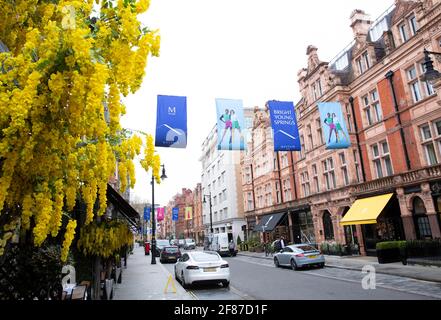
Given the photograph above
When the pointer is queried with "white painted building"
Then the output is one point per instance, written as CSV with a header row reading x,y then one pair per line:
x,y
221,178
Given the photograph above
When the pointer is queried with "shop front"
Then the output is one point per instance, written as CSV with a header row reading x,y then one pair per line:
x,y
303,227
379,218
274,226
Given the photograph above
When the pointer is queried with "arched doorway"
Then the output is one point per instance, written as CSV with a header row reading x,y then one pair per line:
x,y
421,220
328,228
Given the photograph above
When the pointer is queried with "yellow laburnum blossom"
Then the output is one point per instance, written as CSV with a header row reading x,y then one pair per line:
x,y
104,239
68,238
60,107
142,6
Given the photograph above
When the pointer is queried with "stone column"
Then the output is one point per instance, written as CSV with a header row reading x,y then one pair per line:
x,y
318,224
290,227
431,210
338,229
360,240
406,216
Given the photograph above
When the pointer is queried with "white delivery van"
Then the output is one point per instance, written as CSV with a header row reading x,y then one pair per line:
x,y
219,243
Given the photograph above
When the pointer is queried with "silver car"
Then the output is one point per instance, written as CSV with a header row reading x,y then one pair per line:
x,y
202,267
298,256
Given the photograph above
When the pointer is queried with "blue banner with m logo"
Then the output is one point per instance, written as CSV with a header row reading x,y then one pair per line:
x,y
171,123
284,124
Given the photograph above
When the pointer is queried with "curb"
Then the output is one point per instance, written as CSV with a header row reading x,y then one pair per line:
x,y
359,269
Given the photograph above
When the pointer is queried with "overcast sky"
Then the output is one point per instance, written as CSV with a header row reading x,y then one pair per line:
x,y
238,49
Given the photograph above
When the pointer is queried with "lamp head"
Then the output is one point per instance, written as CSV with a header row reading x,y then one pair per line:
x,y
163,176
430,73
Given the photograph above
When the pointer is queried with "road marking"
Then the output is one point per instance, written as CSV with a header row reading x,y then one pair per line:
x,y
241,294
353,281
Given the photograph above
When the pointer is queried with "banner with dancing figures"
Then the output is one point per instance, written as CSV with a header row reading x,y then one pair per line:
x,y
284,125
230,124
334,126
171,123
160,214
188,213
175,214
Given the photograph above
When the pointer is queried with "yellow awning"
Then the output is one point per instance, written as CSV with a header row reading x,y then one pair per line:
x,y
366,211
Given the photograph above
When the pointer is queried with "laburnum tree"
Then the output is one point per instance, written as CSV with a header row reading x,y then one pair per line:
x,y
66,66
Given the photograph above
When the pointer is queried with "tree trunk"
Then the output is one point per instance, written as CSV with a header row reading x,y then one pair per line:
x,y
96,287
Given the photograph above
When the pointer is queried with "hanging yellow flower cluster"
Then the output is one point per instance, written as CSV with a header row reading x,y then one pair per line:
x,y
68,238
104,239
60,108
151,161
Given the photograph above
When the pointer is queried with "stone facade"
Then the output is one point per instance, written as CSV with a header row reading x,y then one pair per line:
x,y
222,187
394,122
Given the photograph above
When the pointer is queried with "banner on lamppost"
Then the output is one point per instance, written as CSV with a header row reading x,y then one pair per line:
x,y
188,213
230,125
334,126
171,123
284,125
147,211
160,214
175,213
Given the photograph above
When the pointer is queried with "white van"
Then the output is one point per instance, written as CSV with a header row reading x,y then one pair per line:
x,y
219,243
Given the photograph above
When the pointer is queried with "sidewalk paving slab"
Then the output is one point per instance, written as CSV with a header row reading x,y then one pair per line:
x,y
426,273
144,281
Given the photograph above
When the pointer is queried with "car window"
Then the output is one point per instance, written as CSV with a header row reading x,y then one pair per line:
x,y
185,257
307,248
171,250
287,249
205,257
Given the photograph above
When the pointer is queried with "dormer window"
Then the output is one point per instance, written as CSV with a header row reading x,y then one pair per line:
x,y
317,89
413,25
363,63
403,33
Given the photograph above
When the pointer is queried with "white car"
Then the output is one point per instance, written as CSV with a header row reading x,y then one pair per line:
x,y
190,244
202,267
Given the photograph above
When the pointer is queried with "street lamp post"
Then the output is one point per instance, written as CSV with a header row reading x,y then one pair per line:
x,y
163,177
211,212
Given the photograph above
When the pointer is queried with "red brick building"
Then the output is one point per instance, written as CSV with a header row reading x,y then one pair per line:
x,y
394,121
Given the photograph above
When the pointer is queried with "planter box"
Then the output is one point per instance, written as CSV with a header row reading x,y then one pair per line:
x,y
389,255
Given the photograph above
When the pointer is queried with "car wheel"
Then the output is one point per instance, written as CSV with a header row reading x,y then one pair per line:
x,y
226,284
276,262
321,265
183,283
294,265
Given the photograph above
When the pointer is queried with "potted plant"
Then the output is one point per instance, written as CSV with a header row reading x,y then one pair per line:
x,y
391,251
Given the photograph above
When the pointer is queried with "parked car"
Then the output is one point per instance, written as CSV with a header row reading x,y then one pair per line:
x,y
190,244
298,256
161,244
170,254
202,267
219,243
181,243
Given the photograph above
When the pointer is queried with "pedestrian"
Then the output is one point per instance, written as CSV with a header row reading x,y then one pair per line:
x,y
232,248
282,242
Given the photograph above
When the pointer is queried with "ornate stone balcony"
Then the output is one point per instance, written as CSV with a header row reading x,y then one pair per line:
x,y
426,174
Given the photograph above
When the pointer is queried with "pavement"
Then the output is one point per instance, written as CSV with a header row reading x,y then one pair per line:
x,y
143,281
426,273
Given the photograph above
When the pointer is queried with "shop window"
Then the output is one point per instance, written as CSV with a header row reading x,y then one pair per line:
x,y
422,224
327,226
